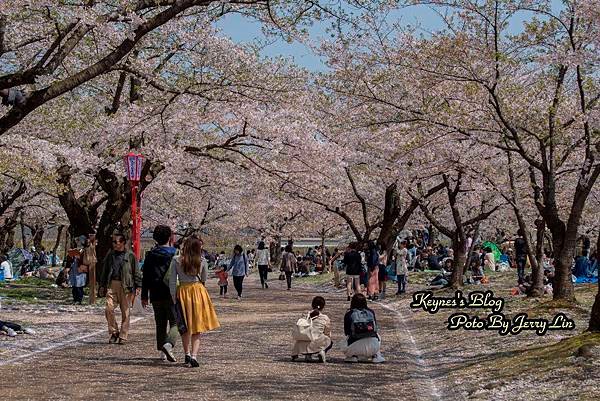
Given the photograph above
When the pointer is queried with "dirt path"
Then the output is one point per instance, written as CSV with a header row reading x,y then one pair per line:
x,y
247,359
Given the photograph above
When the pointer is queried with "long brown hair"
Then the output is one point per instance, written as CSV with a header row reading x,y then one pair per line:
x,y
191,259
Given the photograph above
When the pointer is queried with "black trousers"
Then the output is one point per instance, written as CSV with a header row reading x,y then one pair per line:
x,y
288,279
77,294
521,262
166,325
263,272
223,290
238,282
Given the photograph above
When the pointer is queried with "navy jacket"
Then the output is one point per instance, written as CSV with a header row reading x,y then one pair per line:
x,y
156,265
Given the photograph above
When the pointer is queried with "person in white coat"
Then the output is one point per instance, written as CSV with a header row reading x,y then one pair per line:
x,y
263,261
322,343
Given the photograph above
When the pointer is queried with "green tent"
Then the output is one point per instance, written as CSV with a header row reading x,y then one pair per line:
x,y
495,250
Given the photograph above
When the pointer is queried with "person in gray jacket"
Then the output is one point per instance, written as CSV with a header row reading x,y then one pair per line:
x,y
238,268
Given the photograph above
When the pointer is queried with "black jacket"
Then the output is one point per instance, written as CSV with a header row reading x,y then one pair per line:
x,y
353,263
156,264
348,325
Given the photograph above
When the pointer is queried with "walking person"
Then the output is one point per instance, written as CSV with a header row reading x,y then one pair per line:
x,y
222,277
77,276
372,257
520,256
288,265
191,269
239,268
88,259
263,260
382,263
121,280
154,289
353,263
401,267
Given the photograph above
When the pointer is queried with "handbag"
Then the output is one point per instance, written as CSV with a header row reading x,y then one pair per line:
x,y
282,276
177,311
304,330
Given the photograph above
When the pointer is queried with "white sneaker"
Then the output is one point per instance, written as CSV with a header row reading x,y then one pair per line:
x,y
29,331
351,359
10,332
378,358
162,356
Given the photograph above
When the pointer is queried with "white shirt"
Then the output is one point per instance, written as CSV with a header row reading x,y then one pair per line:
x,y
262,257
7,269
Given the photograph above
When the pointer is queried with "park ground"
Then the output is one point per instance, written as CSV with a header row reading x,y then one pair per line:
x,y
248,357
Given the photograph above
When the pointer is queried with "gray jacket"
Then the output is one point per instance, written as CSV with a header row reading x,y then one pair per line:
x,y
239,265
176,272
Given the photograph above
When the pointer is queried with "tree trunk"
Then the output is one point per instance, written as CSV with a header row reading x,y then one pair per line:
x,y
7,232
564,249
472,247
38,236
336,278
432,235
537,266
277,253
61,228
458,264
24,242
595,315
67,241
10,238
323,253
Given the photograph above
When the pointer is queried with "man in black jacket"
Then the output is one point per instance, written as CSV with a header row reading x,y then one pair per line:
x,y
156,265
353,263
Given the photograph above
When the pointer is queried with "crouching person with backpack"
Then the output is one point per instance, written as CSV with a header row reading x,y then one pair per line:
x,y
360,325
312,334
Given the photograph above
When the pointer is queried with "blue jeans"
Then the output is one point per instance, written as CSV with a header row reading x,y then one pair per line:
x,y
401,284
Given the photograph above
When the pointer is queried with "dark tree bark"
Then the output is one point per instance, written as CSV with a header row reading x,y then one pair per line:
x,y
7,231
457,234
82,211
537,267
117,212
394,220
24,241
38,236
59,233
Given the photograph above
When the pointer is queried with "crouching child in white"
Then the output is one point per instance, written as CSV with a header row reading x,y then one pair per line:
x,y
360,327
312,334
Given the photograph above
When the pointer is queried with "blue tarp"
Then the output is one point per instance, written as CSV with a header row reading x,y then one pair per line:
x,y
586,280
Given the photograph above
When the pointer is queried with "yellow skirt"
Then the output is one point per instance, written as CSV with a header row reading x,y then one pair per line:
x,y
198,310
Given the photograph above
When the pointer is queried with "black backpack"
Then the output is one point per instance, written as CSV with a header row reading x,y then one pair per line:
x,y
363,324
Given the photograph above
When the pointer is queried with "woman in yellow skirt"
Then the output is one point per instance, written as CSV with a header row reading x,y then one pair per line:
x,y
192,271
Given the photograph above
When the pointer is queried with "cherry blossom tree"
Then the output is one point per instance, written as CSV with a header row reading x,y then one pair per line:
x,y
533,94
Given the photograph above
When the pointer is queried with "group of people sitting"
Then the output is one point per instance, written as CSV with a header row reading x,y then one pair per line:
x,y
312,334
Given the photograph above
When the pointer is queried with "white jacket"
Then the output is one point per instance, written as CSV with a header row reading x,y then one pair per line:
x,y
263,257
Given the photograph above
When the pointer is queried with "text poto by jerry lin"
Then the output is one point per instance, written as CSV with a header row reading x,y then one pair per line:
x,y
494,321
